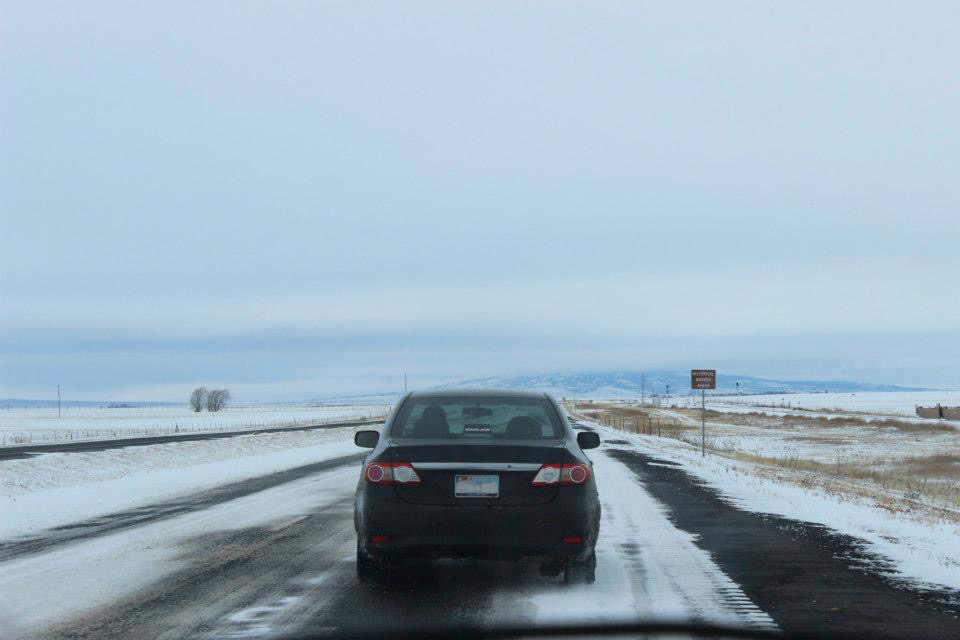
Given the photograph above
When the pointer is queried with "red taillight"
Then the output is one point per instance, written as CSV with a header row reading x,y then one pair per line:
x,y
384,538
391,473
573,540
577,474
555,474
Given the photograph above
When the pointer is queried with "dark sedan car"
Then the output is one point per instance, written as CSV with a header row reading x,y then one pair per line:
x,y
489,474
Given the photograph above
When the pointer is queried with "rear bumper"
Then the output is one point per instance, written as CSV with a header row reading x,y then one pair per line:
x,y
497,532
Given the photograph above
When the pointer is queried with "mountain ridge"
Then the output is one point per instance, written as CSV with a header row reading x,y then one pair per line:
x,y
612,384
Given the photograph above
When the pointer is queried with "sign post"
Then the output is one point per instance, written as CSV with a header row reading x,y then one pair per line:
x,y
703,379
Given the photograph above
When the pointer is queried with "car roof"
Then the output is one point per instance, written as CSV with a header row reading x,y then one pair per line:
x,y
477,393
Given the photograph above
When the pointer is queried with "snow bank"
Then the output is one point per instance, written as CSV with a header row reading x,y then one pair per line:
x,y
59,488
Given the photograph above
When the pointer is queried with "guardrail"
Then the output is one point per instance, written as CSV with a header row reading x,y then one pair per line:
x,y
24,451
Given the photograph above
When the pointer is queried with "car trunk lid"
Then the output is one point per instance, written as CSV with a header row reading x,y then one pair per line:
x,y
513,464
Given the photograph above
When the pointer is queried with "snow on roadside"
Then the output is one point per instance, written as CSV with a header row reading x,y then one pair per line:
x,y
38,425
927,554
59,488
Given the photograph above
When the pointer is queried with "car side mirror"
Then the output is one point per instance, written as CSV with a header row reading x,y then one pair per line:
x,y
588,440
366,439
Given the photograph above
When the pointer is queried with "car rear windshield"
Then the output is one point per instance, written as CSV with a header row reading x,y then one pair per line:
x,y
478,418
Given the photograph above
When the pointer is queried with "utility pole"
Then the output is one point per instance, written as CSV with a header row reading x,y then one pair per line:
x,y
642,385
58,402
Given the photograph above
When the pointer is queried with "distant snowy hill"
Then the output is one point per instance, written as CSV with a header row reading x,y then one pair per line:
x,y
626,384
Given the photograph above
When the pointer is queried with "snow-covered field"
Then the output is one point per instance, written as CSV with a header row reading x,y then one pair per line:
x,y
36,425
900,403
834,441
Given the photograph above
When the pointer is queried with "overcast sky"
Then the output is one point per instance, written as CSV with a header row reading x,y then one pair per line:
x,y
302,199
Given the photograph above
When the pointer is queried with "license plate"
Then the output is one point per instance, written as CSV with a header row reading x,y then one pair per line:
x,y
473,486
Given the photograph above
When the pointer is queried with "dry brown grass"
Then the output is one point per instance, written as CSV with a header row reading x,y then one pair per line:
x,y
634,419
822,440
760,419
941,465
617,410
915,480
881,423
830,410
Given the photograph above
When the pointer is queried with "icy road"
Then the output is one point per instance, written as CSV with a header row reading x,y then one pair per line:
x,y
274,555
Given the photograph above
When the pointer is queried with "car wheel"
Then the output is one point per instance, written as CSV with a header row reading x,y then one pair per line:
x,y
369,568
581,571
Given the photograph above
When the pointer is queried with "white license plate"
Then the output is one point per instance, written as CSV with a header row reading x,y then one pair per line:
x,y
472,486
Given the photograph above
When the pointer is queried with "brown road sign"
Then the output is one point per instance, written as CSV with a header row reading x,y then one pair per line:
x,y
703,378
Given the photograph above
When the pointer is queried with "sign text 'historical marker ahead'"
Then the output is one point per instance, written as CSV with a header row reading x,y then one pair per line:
x,y
703,379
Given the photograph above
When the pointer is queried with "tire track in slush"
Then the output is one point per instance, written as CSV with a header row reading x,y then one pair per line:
x,y
646,567
147,514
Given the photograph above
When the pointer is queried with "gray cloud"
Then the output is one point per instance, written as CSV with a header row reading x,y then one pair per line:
x,y
328,193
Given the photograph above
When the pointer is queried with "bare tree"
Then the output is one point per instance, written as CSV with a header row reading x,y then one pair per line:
x,y
217,399
198,398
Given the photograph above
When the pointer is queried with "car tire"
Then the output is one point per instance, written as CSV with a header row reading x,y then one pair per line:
x,y
370,569
581,571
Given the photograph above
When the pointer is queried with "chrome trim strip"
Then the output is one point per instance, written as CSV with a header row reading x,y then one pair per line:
x,y
483,466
